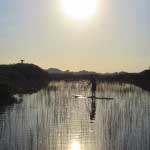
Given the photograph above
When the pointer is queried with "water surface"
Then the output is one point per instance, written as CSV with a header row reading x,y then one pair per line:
x,y
53,119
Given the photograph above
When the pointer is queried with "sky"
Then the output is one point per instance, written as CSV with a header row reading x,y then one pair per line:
x,y
116,38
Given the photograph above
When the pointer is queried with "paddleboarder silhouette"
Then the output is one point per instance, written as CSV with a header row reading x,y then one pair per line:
x,y
93,102
93,86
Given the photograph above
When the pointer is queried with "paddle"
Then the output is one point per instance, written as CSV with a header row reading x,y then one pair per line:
x,y
93,97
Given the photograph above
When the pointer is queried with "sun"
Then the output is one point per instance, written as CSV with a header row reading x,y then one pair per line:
x,y
79,9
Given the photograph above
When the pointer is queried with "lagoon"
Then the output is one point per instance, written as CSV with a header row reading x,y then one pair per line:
x,y
53,119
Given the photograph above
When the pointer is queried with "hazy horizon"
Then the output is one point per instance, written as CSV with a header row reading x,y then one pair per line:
x,y
115,38
96,71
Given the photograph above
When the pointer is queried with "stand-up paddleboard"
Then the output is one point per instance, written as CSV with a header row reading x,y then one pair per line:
x,y
93,97
107,98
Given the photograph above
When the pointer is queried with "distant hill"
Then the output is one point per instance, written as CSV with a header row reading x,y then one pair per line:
x,y
145,72
141,79
21,78
84,72
58,71
54,71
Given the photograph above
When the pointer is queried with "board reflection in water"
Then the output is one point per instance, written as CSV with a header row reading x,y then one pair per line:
x,y
53,119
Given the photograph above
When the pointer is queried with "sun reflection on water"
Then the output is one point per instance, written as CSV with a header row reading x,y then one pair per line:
x,y
75,145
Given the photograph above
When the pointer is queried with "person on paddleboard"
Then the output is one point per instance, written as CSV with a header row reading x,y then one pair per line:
x,y
93,85
93,96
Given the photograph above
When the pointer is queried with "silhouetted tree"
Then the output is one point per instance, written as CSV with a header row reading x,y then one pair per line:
x,y
22,61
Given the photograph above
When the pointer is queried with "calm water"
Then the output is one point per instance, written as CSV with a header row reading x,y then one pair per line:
x,y
53,119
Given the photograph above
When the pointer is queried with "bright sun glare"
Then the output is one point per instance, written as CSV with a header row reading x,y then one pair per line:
x,y
75,146
79,9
